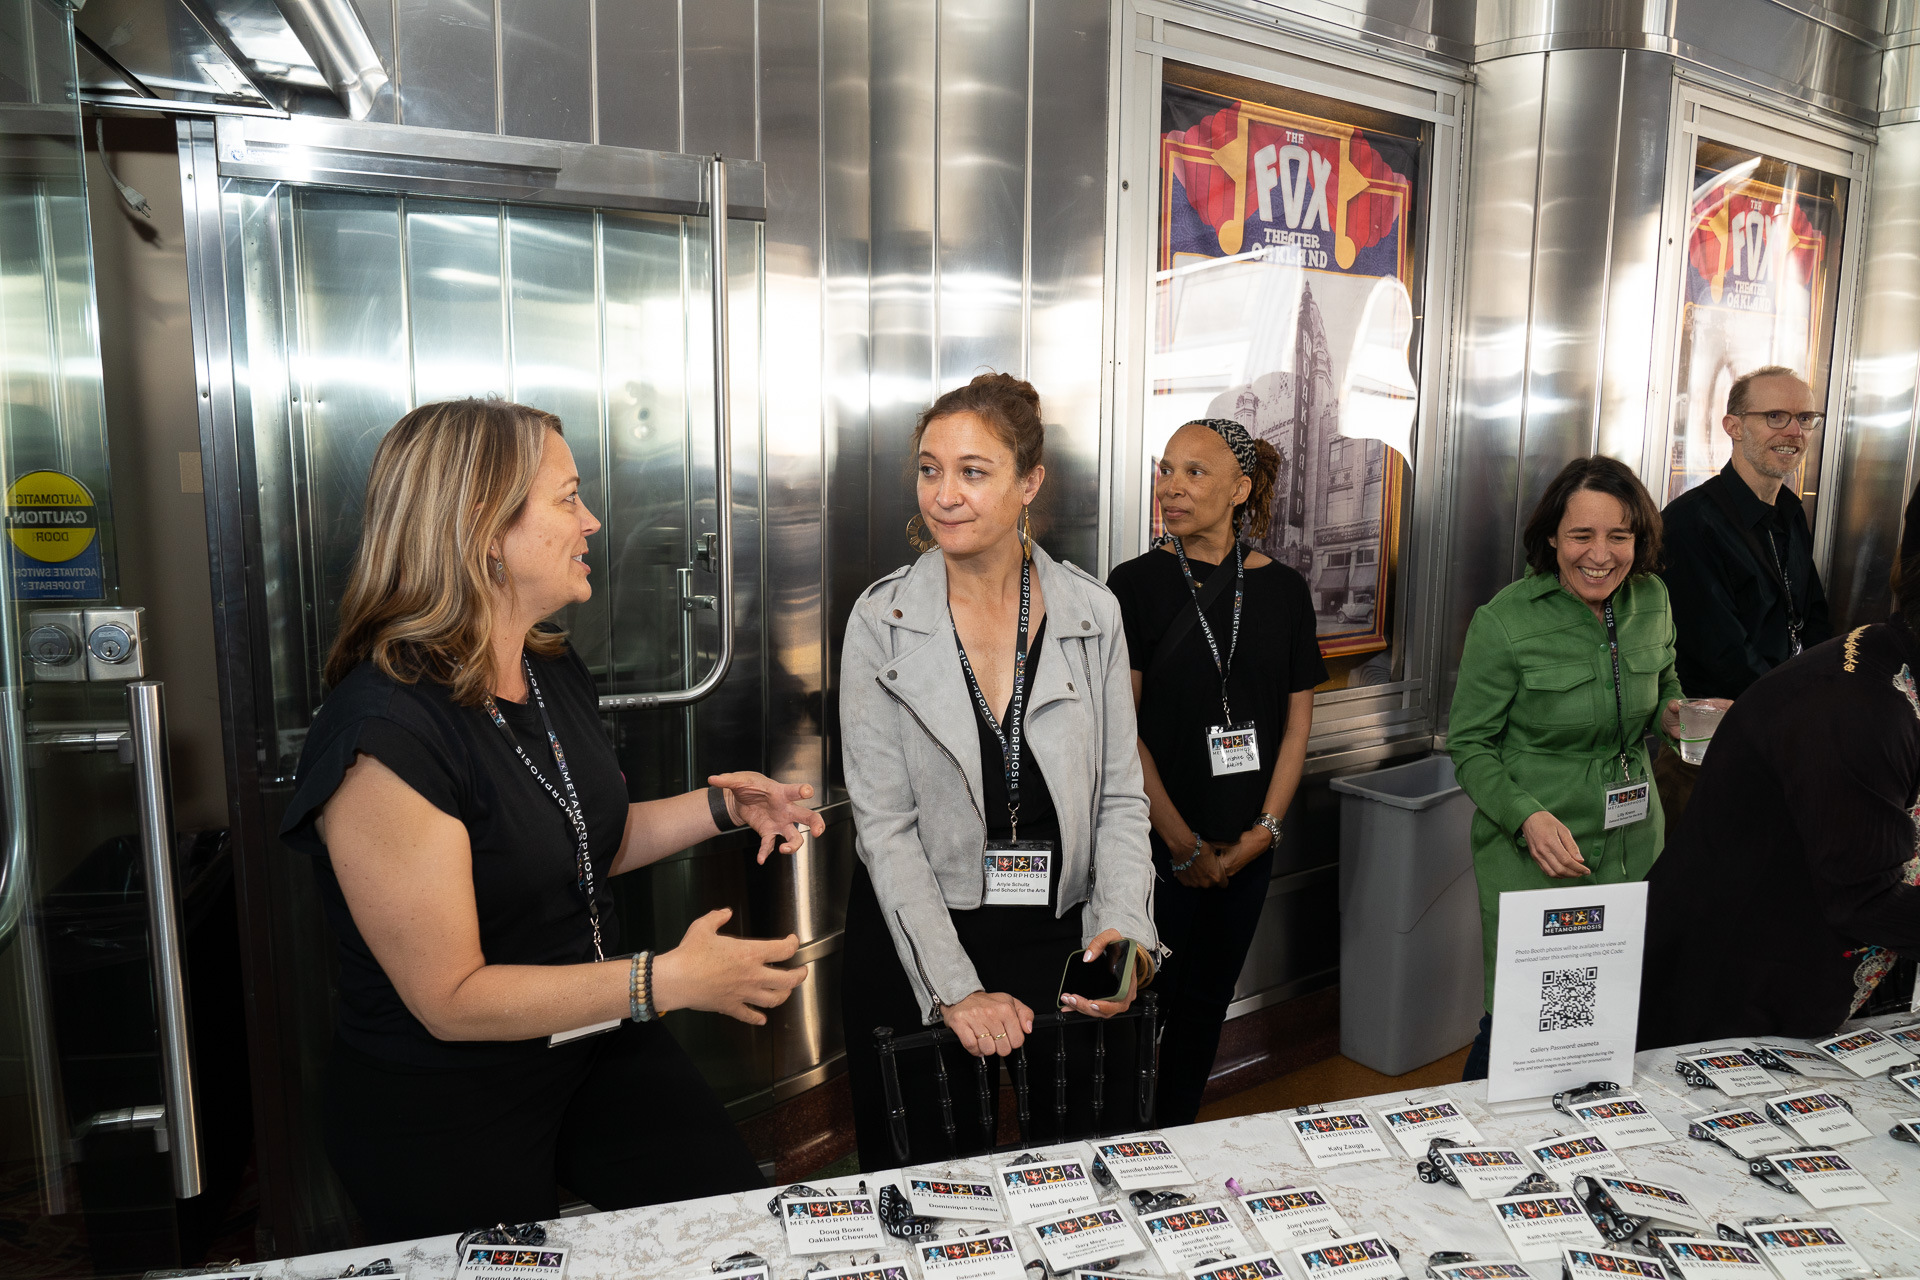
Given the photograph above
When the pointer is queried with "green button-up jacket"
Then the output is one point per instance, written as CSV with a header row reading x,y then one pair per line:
x,y
1534,726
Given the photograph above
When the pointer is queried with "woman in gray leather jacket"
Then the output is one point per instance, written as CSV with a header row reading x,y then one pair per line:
x,y
989,738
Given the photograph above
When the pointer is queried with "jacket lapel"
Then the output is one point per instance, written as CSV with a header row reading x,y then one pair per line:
x,y
927,658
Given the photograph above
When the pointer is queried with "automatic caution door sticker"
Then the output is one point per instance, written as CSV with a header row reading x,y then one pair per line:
x,y
54,529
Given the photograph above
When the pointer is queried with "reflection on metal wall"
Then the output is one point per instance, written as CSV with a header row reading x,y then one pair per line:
x,y
989,169
1564,191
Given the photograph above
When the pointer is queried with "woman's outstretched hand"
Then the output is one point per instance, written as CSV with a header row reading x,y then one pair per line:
x,y
734,976
771,808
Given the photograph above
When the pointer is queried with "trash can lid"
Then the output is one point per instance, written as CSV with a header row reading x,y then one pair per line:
x,y
1421,784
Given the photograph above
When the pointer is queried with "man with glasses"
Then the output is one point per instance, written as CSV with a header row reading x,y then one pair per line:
x,y
1739,556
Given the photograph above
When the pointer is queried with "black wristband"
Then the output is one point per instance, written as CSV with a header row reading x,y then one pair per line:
x,y
717,806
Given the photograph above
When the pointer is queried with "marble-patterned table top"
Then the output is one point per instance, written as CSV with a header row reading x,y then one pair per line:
x,y
682,1240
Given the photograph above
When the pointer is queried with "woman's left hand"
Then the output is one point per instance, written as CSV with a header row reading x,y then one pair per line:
x,y
1104,1008
770,808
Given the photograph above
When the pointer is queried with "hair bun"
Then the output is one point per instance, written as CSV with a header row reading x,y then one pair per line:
x,y
1006,382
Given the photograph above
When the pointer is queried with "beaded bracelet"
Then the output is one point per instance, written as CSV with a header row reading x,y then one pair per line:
x,y
640,988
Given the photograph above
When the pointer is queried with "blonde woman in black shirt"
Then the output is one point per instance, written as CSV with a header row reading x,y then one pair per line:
x,y
464,811
1225,698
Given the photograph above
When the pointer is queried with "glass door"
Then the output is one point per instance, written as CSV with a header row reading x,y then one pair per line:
x,y
101,1152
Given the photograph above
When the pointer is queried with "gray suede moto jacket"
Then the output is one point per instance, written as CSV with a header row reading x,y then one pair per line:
x,y
913,766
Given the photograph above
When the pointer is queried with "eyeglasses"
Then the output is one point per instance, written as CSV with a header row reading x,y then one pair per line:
x,y
1777,419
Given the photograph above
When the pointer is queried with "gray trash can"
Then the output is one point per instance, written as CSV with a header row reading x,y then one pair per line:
x,y
1411,984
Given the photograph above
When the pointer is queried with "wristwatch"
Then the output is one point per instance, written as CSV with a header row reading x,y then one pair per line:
x,y
1272,824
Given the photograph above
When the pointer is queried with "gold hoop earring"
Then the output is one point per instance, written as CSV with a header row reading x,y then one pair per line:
x,y
917,536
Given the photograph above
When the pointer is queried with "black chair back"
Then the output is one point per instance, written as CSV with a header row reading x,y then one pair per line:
x,y
1146,1068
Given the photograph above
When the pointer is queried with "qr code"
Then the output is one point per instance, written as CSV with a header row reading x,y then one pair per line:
x,y
1566,998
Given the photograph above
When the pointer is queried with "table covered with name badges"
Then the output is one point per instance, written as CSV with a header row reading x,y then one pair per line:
x,y
1800,1161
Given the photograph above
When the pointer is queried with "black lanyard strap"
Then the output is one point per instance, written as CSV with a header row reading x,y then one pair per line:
x,y
569,803
1008,738
1619,701
1794,621
1206,629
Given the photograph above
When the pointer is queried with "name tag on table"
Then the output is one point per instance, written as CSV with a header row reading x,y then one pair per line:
x,y
1297,1215
1627,804
1486,1172
512,1262
1698,1256
1808,1250
1732,1072
1909,1080
1017,873
1414,1127
962,1196
1037,1191
1142,1162
1816,1066
1353,1258
1261,1266
1622,1119
988,1257
1819,1118
1825,1179
1191,1234
830,1224
875,1270
1651,1200
1233,748
1865,1052
1576,1153
1539,1226
1604,1264
1482,1271
1100,1233
1745,1132
1338,1137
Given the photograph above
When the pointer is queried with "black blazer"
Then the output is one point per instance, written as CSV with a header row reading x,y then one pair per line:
x,y
1797,851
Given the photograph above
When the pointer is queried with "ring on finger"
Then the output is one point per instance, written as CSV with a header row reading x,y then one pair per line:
x,y
1000,1035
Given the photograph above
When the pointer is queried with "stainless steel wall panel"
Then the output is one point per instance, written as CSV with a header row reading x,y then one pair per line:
x,y
637,43
446,56
791,129
457,315
719,82
1067,256
981,118
352,308
376,16
1633,257
552,363
845,147
1878,451
904,191
546,60
1502,167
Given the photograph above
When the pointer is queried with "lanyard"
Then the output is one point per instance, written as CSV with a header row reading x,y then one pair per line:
x,y
1010,737
1619,702
569,803
1239,597
1786,599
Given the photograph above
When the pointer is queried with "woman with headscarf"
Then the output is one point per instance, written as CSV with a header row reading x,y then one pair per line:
x,y
1222,645
1792,882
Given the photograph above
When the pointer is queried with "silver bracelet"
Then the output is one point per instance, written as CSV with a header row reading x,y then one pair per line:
x,y
1272,824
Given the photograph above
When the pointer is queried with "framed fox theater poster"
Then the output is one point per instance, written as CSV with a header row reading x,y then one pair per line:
x,y
1284,295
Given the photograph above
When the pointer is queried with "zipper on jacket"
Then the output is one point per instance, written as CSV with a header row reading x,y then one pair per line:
x,y
964,781
1099,771
934,1011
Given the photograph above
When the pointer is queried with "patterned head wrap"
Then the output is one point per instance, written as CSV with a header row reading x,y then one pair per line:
x,y
1236,437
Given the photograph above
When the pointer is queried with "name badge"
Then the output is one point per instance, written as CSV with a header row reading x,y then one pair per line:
x,y
1627,804
1233,748
1018,873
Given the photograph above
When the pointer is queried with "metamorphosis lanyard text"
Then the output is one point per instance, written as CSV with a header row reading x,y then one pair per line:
x,y
1206,629
569,803
1619,701
1009,737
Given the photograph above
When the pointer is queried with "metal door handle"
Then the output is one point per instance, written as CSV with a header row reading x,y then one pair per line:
x,y
153,785
722,469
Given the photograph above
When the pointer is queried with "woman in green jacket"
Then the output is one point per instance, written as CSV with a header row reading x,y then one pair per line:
x,y
1537,735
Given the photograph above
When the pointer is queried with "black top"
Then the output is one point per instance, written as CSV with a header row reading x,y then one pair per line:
x,y
524,853
1728,605
1279,656
1037,818
1795,850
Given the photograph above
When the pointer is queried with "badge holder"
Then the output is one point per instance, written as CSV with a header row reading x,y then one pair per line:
x,y
1593,1091
1146,1202
1904,1068
1446,1258
1100,1173
378,1267
528,1233
741,1261
1616,1224
1903,1132
1431,1168
1785,1121
1762,1167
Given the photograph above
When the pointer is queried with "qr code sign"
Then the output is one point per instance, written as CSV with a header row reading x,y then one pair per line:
x,y
1566,998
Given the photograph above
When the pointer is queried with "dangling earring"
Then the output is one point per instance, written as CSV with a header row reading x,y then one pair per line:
x,y
1026,532
917,536
499,568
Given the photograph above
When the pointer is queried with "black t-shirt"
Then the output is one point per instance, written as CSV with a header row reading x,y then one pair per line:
x,y
525,863
1038,821
1279,656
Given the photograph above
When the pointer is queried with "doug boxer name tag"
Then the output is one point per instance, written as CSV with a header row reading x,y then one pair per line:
x,y
1625,805
1233,748
1017,872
